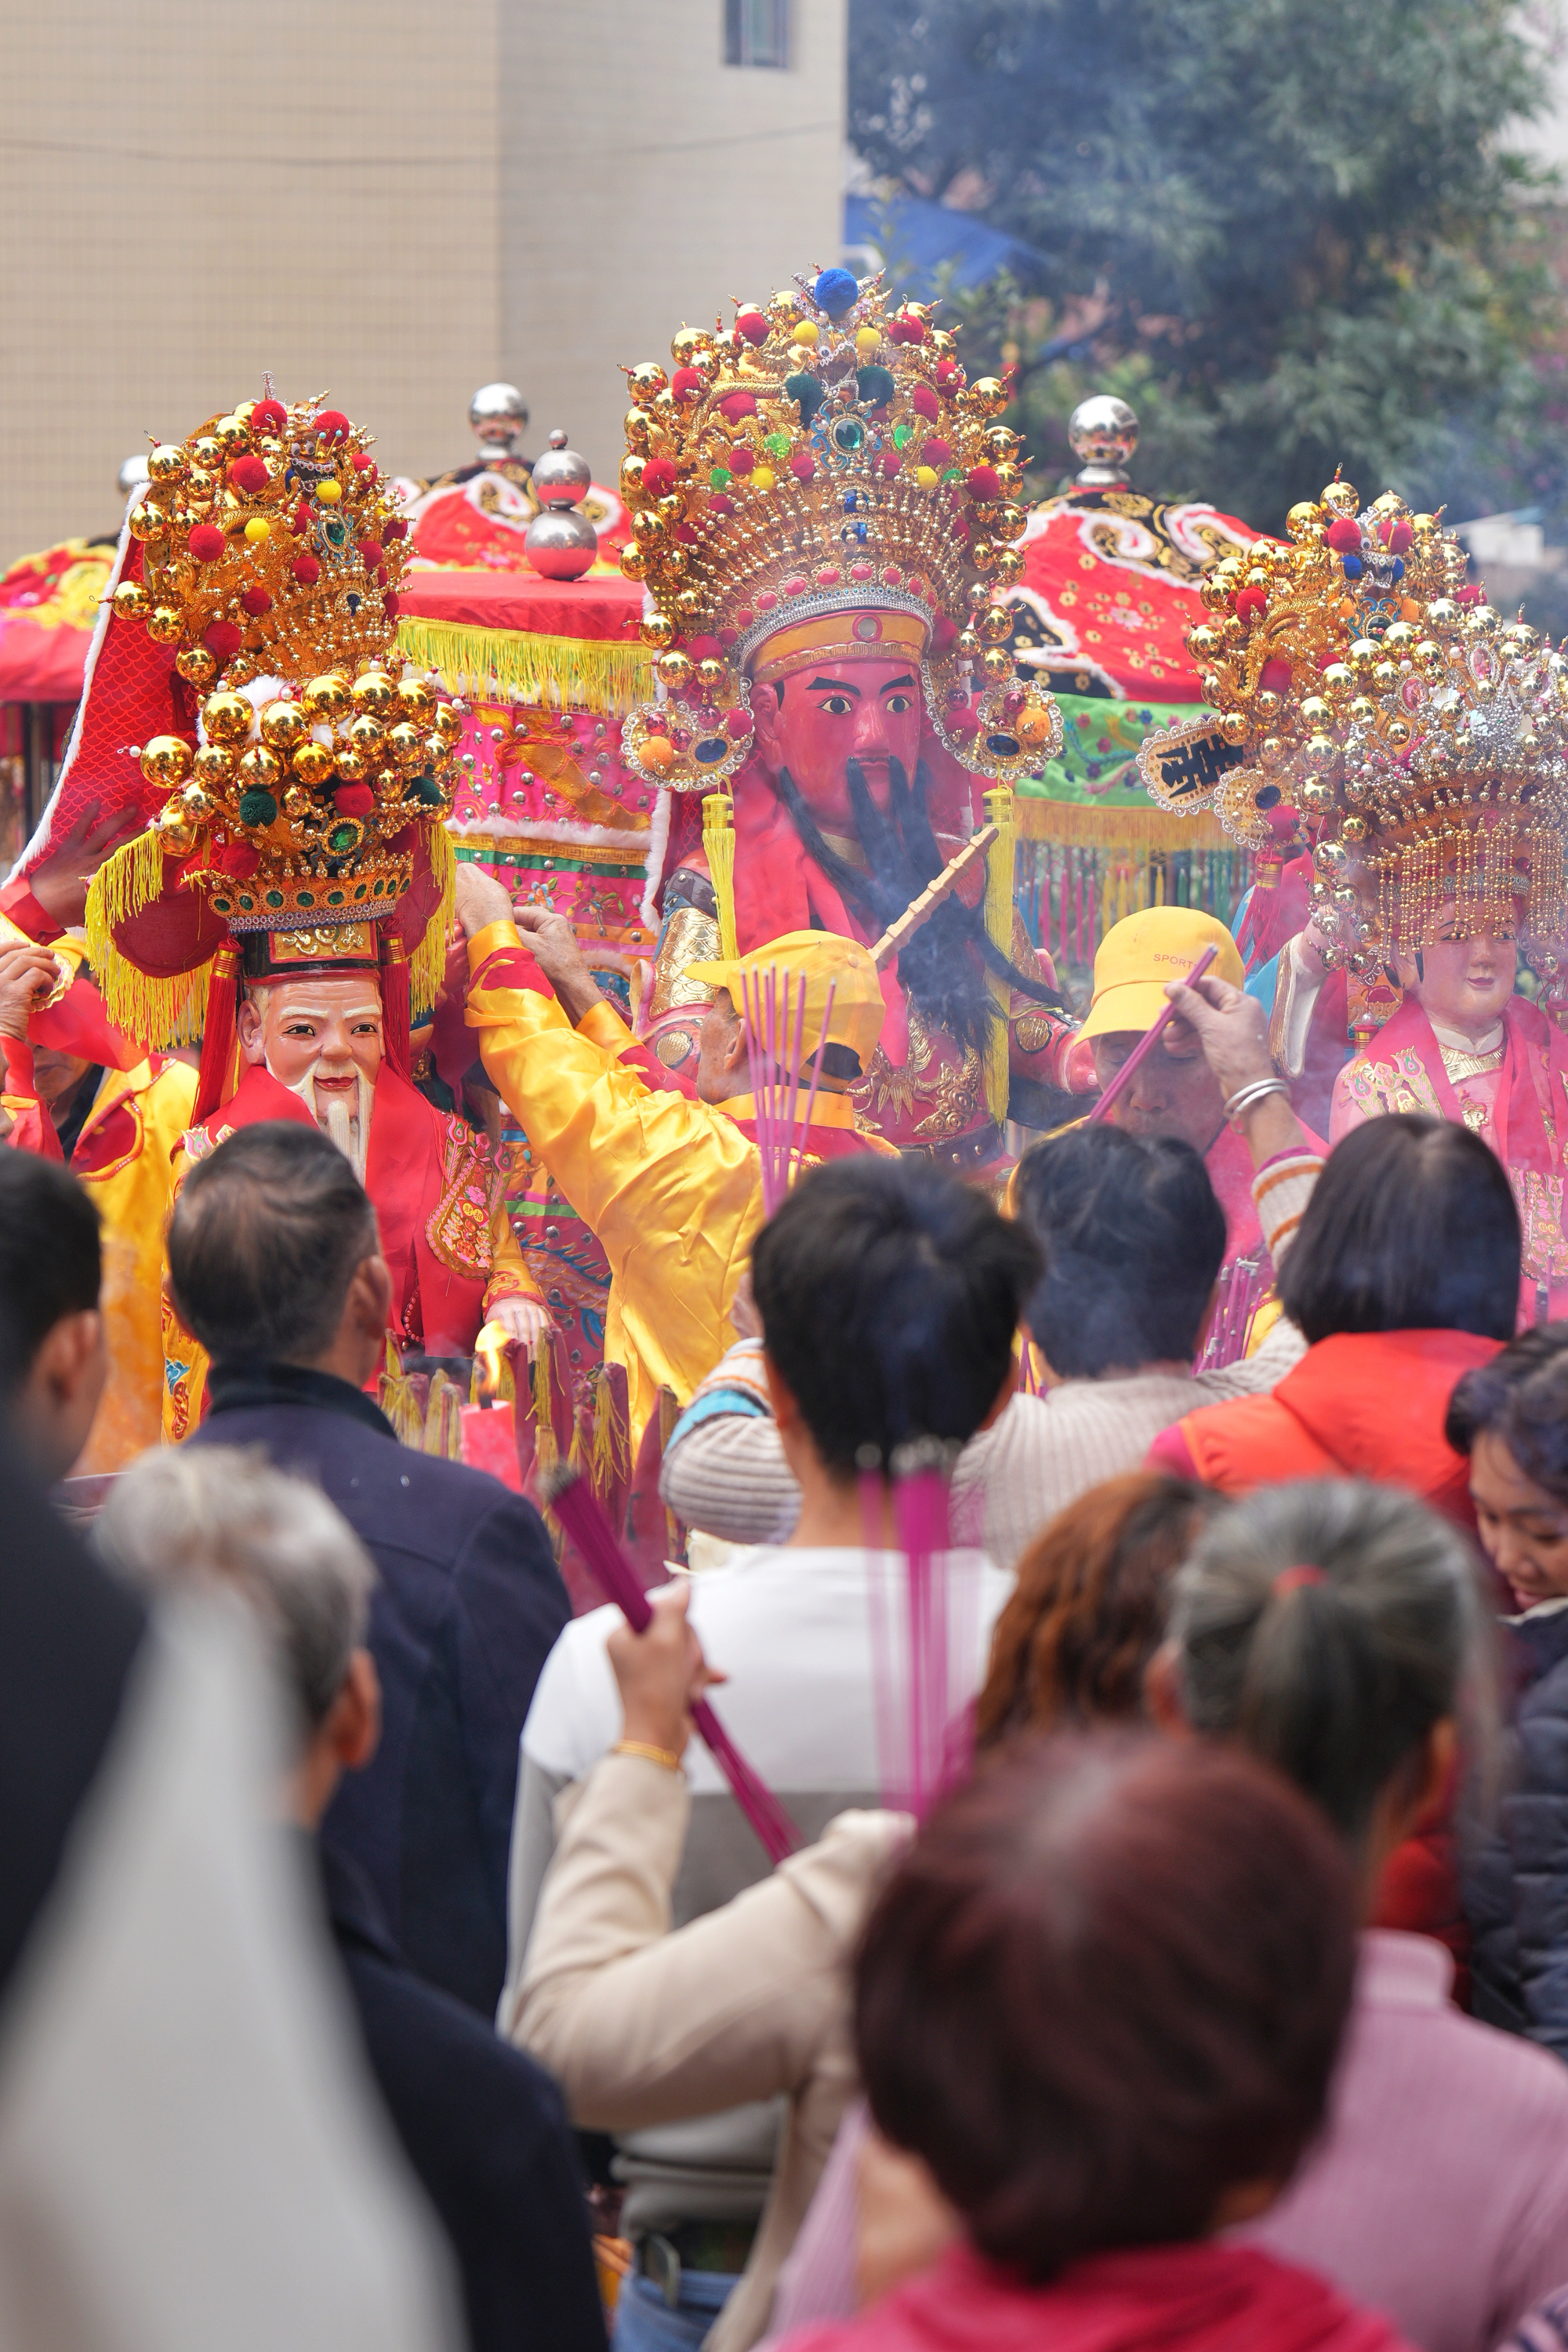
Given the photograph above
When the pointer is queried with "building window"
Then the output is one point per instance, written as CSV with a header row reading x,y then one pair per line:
x,y
756,33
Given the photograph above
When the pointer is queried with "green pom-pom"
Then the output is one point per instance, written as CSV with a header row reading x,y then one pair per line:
x,y
720,478
257,807
777,444
809,391
875,386
426,791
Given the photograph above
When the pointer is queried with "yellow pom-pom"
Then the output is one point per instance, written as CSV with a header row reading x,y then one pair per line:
x,y
805,332
258,528
763,477
868,340
926,476
329,492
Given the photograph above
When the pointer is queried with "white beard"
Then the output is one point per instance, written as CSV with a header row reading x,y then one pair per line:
x,y
344,1121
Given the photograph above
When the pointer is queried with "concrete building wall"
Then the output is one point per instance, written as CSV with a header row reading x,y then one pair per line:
x,y
393,201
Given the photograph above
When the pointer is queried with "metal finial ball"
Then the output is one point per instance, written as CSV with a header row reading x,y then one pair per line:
x,y
132,475
1103,433
561,476
498,413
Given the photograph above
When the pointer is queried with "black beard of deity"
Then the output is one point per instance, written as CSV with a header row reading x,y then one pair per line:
x,y
943,969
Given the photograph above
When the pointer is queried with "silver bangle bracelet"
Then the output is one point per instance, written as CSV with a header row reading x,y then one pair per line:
x,y
1246,1097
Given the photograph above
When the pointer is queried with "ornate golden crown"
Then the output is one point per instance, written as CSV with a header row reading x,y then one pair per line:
x,y
271,546
1422,739
820,460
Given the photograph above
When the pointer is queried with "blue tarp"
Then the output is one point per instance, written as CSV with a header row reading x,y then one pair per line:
x,y
916,237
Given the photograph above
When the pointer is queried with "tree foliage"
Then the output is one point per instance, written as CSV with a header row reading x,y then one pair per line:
x,y
1291,231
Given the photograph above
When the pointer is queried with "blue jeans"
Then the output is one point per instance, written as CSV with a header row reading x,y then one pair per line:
x,y
645,2321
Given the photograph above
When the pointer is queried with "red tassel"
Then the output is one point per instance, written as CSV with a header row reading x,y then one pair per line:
x,y
219,1037
394,1003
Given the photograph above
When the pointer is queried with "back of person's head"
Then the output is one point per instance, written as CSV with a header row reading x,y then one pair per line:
x,y
1410,1227
188,1516
265,1239
1329,1626
1089,1607
1105,1987
890,1293
1521,1397
51,1262
1133,1238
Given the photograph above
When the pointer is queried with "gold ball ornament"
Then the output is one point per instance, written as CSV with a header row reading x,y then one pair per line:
x,y
207,450
1233,726
996,664
372,690
646,381
165,625
199,485
231,435
166,463
1265,703
674,671
284,725
658,630
1363,711
966,644
415,701
631,476
1315,711
448,723
146,521
1204,642
1399,639
634,563
261,767
989,395
196,666
1442,612
1430,659
175,830
406,743
1317,796
1338,679
167,760
983,554
1353,829
1322,751
327,698
691,346
995,624
635,427
712,676
227,718
1341,498
350,761
131,601
1302,515
313,762
1009,568
1396,734
365,734
214,766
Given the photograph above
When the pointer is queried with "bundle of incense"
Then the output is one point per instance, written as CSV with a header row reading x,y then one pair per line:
x,y
572,1500
920,1625
920,910
1237,1294
1146,1045
774,1054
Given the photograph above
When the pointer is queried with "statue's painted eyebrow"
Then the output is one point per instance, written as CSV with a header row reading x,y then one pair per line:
x,y
834,685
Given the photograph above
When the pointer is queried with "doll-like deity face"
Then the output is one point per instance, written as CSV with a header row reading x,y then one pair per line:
x,y
826,713
325,1030
1465,982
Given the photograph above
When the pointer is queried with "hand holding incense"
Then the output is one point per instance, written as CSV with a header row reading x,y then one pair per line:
x,y
1145,1046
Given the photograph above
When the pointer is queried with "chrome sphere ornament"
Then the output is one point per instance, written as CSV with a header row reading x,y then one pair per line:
x,y
1103,433
498,413
561,543
132,475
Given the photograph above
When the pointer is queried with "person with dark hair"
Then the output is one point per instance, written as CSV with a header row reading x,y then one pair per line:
x,y
483,2127
53,1359
889,1293
1100,2001
1510,1418
1405,1275
1335,1630
276,1266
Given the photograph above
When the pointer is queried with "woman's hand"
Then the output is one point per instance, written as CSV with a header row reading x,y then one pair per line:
x,y
660,1674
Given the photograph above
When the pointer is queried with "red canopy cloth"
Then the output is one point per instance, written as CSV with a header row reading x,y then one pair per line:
x,y
600,604
48,606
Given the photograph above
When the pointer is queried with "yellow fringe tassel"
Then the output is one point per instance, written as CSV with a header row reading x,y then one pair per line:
x,y
516,666
1117,828
610,1456
428,964
999,931
547,1453
156,1012
719,847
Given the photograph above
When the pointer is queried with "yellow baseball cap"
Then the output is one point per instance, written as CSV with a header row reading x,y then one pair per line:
x,y
819,958
1141,953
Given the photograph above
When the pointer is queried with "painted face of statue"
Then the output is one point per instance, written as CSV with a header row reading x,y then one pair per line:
x,y
321,1038
1464,983
828,713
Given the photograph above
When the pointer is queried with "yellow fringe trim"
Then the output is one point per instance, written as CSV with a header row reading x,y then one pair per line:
x,y
999,859
157,1012
719,846
610,1456
1117,828
516,665
547,1453
428,964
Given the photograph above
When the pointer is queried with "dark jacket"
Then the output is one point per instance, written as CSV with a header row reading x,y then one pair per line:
x,y
468,1605
1516,1875
486,2131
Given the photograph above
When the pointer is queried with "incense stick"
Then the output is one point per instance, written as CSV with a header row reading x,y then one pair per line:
x,y
1146,1045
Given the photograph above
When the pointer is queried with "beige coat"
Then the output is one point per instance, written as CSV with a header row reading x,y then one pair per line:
x,y
642,2026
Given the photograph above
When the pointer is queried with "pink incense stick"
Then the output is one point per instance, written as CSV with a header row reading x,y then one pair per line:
x,y
573,1500
775,1060
1146,1045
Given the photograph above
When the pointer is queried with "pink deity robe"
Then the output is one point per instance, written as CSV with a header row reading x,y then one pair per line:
x,y
1514,1097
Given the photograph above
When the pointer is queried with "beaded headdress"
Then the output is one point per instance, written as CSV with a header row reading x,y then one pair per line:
x,y
821,479
1421,738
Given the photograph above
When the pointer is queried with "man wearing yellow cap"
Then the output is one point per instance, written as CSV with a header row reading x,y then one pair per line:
x,y
1174,1091
666,1173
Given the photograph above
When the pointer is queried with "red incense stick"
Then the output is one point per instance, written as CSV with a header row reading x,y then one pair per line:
x,y
1146,1045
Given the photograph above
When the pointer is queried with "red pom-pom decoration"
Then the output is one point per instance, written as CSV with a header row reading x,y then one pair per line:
x,y
237,858
206,542
705,648
950,376
248,474
924,402
736,404
1344,535
657,476
889,463
371,552
304,518
718,505
803,464
353,799
1274,677
742,461
1401,539
222,639
389,606
688,384
256,601
362,464
331,426
962,723
398,530
1473,595
685,536
306,571
751,326
984,483
1251,602
268,417
911,328
739,724
381,575
936,452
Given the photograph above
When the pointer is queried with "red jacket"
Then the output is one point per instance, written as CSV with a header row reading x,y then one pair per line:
x,y
1205,2297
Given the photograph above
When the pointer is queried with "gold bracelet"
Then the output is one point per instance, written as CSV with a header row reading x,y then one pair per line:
x,y
664,1755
